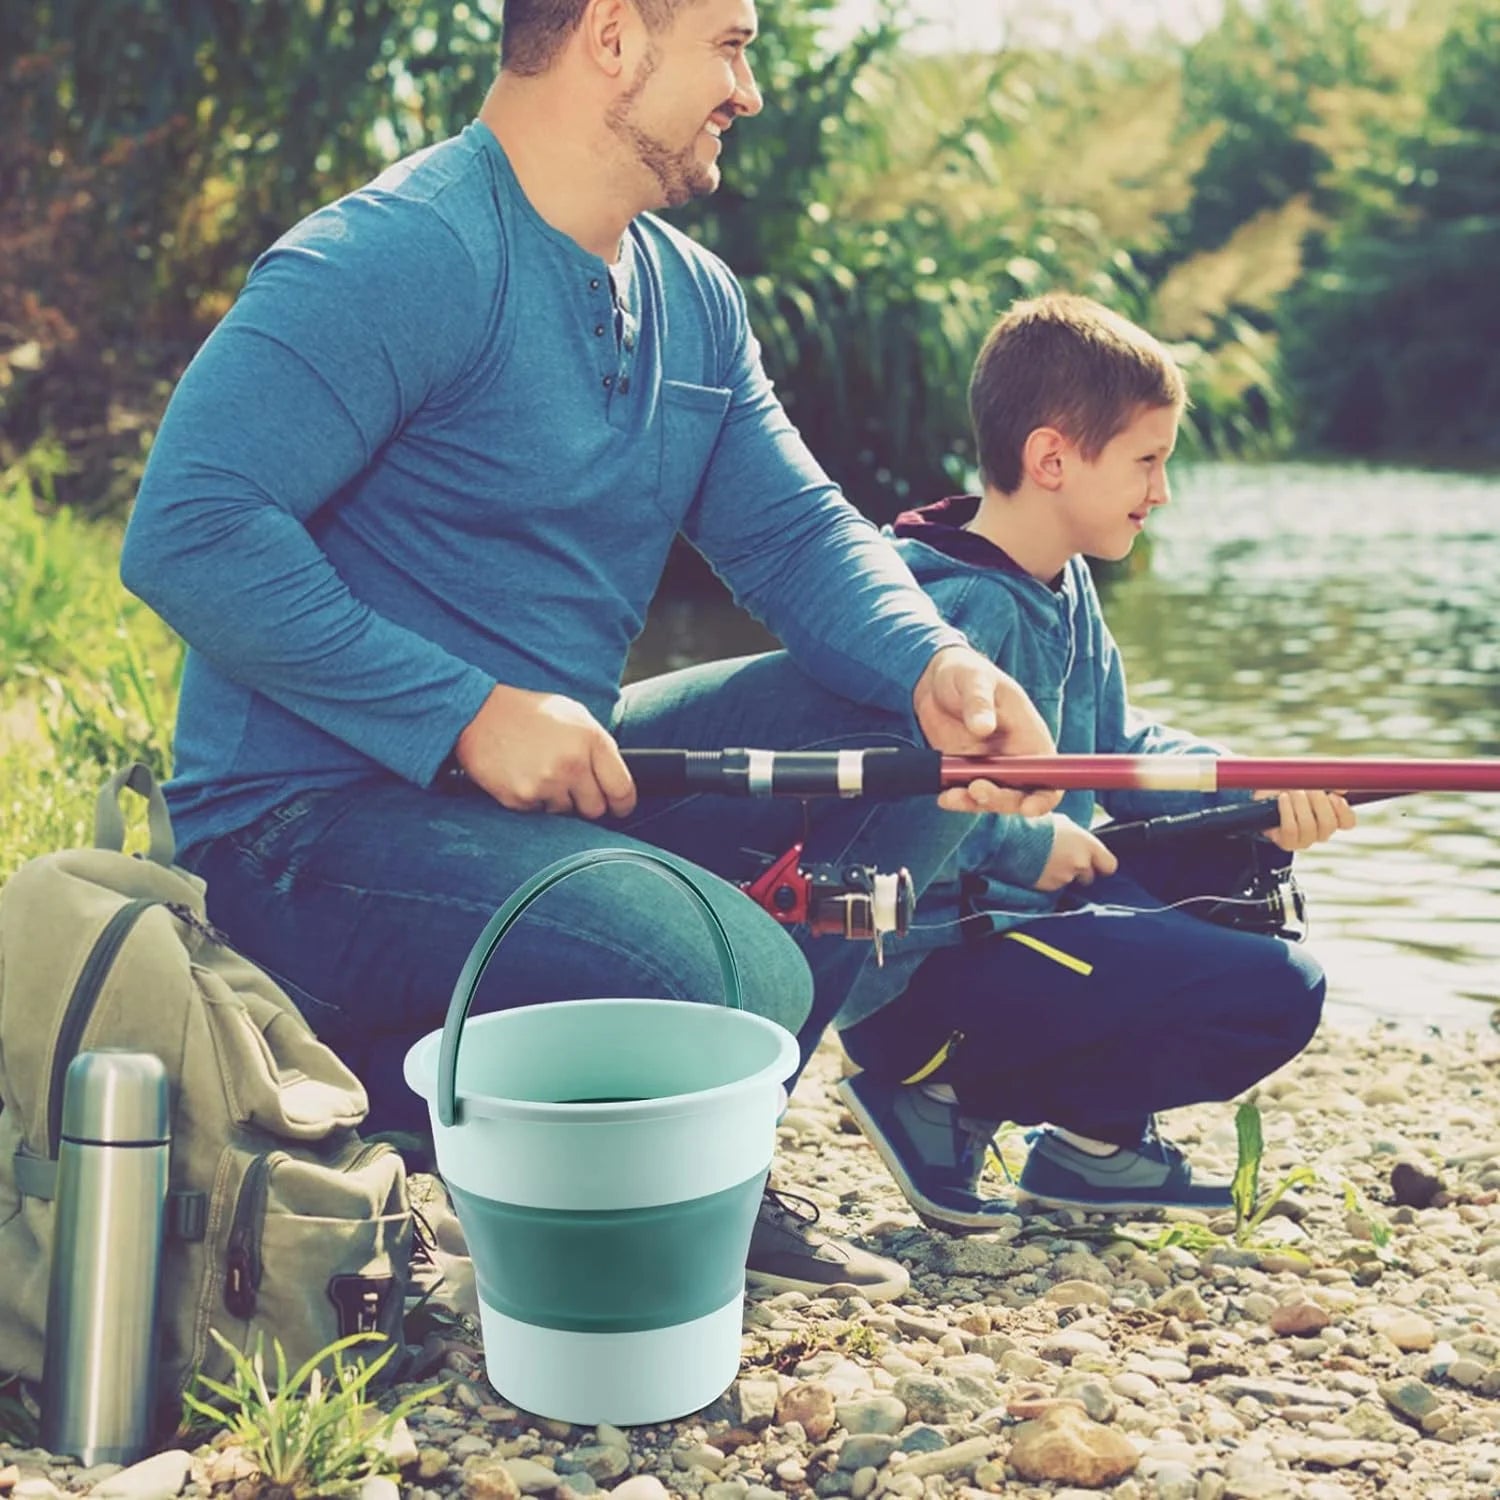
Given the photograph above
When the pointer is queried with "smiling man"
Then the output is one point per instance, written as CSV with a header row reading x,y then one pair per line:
x,y
408,507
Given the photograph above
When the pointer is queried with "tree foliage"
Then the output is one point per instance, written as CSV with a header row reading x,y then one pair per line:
x,y
1393,341
155,146
1303,200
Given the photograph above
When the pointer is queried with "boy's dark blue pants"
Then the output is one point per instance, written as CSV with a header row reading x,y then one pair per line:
x,y
1096,1018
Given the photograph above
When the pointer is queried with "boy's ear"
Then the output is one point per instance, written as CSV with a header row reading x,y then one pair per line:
x,y
1043,456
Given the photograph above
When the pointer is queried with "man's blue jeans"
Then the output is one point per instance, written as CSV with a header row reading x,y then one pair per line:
x,y
364,901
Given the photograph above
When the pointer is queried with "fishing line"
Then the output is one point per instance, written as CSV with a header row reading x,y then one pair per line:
x,y
1030,918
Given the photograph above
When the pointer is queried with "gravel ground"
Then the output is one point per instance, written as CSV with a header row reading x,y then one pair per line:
x,y
1352,1348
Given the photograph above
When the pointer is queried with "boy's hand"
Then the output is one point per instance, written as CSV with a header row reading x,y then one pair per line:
x,y
967,706
542,752
1076,858
1307,818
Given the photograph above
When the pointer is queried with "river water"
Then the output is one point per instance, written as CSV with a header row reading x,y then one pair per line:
x,y
1300,609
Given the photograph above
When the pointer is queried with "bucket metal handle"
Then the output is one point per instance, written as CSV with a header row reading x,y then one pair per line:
x,y
510,913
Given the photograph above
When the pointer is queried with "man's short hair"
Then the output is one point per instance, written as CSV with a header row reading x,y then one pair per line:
x,y
534,31
1065,362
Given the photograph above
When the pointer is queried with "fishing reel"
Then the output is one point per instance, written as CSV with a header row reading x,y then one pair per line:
x,y
856,902
1267,900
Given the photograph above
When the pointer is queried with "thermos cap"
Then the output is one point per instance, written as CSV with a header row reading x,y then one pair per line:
x,y
111,1094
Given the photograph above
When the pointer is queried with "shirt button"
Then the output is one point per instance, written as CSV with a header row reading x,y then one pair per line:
x,y
609,381
599,330
594,284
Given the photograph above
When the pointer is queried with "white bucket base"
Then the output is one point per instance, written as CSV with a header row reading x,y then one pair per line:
x,y
625,1379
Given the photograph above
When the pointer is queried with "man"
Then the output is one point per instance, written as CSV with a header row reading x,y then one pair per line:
x,y
408,507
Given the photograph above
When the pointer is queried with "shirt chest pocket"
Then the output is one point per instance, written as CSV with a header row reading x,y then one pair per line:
x,y
692,416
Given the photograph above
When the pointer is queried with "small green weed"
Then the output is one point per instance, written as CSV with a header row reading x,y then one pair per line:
x,y
1250,1209
859,1339
317,1434
1380,1230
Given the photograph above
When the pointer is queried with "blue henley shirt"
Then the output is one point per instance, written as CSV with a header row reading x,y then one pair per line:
x,y
422,455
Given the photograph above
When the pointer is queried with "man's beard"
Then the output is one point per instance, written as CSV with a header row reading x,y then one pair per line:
x,y
680,174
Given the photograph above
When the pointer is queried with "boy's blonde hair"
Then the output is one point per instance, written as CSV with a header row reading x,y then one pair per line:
x,y
1066,362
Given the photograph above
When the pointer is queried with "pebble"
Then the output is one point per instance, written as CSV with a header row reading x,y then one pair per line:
x,y
1408,1331
867,1451
489,1480
641,1487
1064,1446
155,1478
877,1414
531,1479
811,1406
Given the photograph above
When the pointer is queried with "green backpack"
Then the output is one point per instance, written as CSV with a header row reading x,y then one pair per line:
x,y
281,1222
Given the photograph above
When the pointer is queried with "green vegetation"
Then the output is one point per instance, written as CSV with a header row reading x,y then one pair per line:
x,y
1250,1208
317,1433
88,675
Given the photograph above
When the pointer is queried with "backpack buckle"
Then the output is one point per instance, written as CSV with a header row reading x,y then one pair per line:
x,y
362,1302
187,1215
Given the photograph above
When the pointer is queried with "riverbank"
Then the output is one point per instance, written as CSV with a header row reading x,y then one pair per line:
x,y
1352,1351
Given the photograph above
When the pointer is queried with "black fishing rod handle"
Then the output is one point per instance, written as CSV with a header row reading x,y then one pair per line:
x,y
1208,822
880,772
672,773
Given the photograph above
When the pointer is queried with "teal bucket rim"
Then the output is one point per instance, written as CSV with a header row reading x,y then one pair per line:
x,y
422,1058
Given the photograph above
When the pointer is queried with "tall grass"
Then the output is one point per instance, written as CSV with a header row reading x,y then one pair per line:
x,y
88,675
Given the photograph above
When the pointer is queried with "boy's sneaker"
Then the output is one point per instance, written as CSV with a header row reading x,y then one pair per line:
x,y
788,1255
1153,1174
934,1151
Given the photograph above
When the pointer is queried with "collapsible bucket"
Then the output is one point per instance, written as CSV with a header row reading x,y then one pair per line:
x,y
606,1160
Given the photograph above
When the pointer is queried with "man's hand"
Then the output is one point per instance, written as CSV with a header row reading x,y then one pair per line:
x,y
1076,858
1307,818
967,706
541,752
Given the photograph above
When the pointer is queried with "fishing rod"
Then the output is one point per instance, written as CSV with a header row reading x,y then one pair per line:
x,y
865,903
862,903
884,773
1266,898
1206,822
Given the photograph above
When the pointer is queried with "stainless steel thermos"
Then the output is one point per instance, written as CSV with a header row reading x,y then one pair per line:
x,y
102,1297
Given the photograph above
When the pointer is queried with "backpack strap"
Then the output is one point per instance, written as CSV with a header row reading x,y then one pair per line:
x,y
36,1176
186,1210
109,821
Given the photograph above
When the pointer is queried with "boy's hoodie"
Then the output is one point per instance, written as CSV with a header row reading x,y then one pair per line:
x,y
1054,642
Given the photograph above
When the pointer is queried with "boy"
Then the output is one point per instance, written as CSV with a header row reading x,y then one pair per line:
x,y
1073,996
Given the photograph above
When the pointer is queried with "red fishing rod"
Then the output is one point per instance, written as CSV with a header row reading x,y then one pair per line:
x,y
884,773
1270,901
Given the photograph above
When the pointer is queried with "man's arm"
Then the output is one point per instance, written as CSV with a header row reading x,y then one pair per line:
x,y
328,349
796,553
836,593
